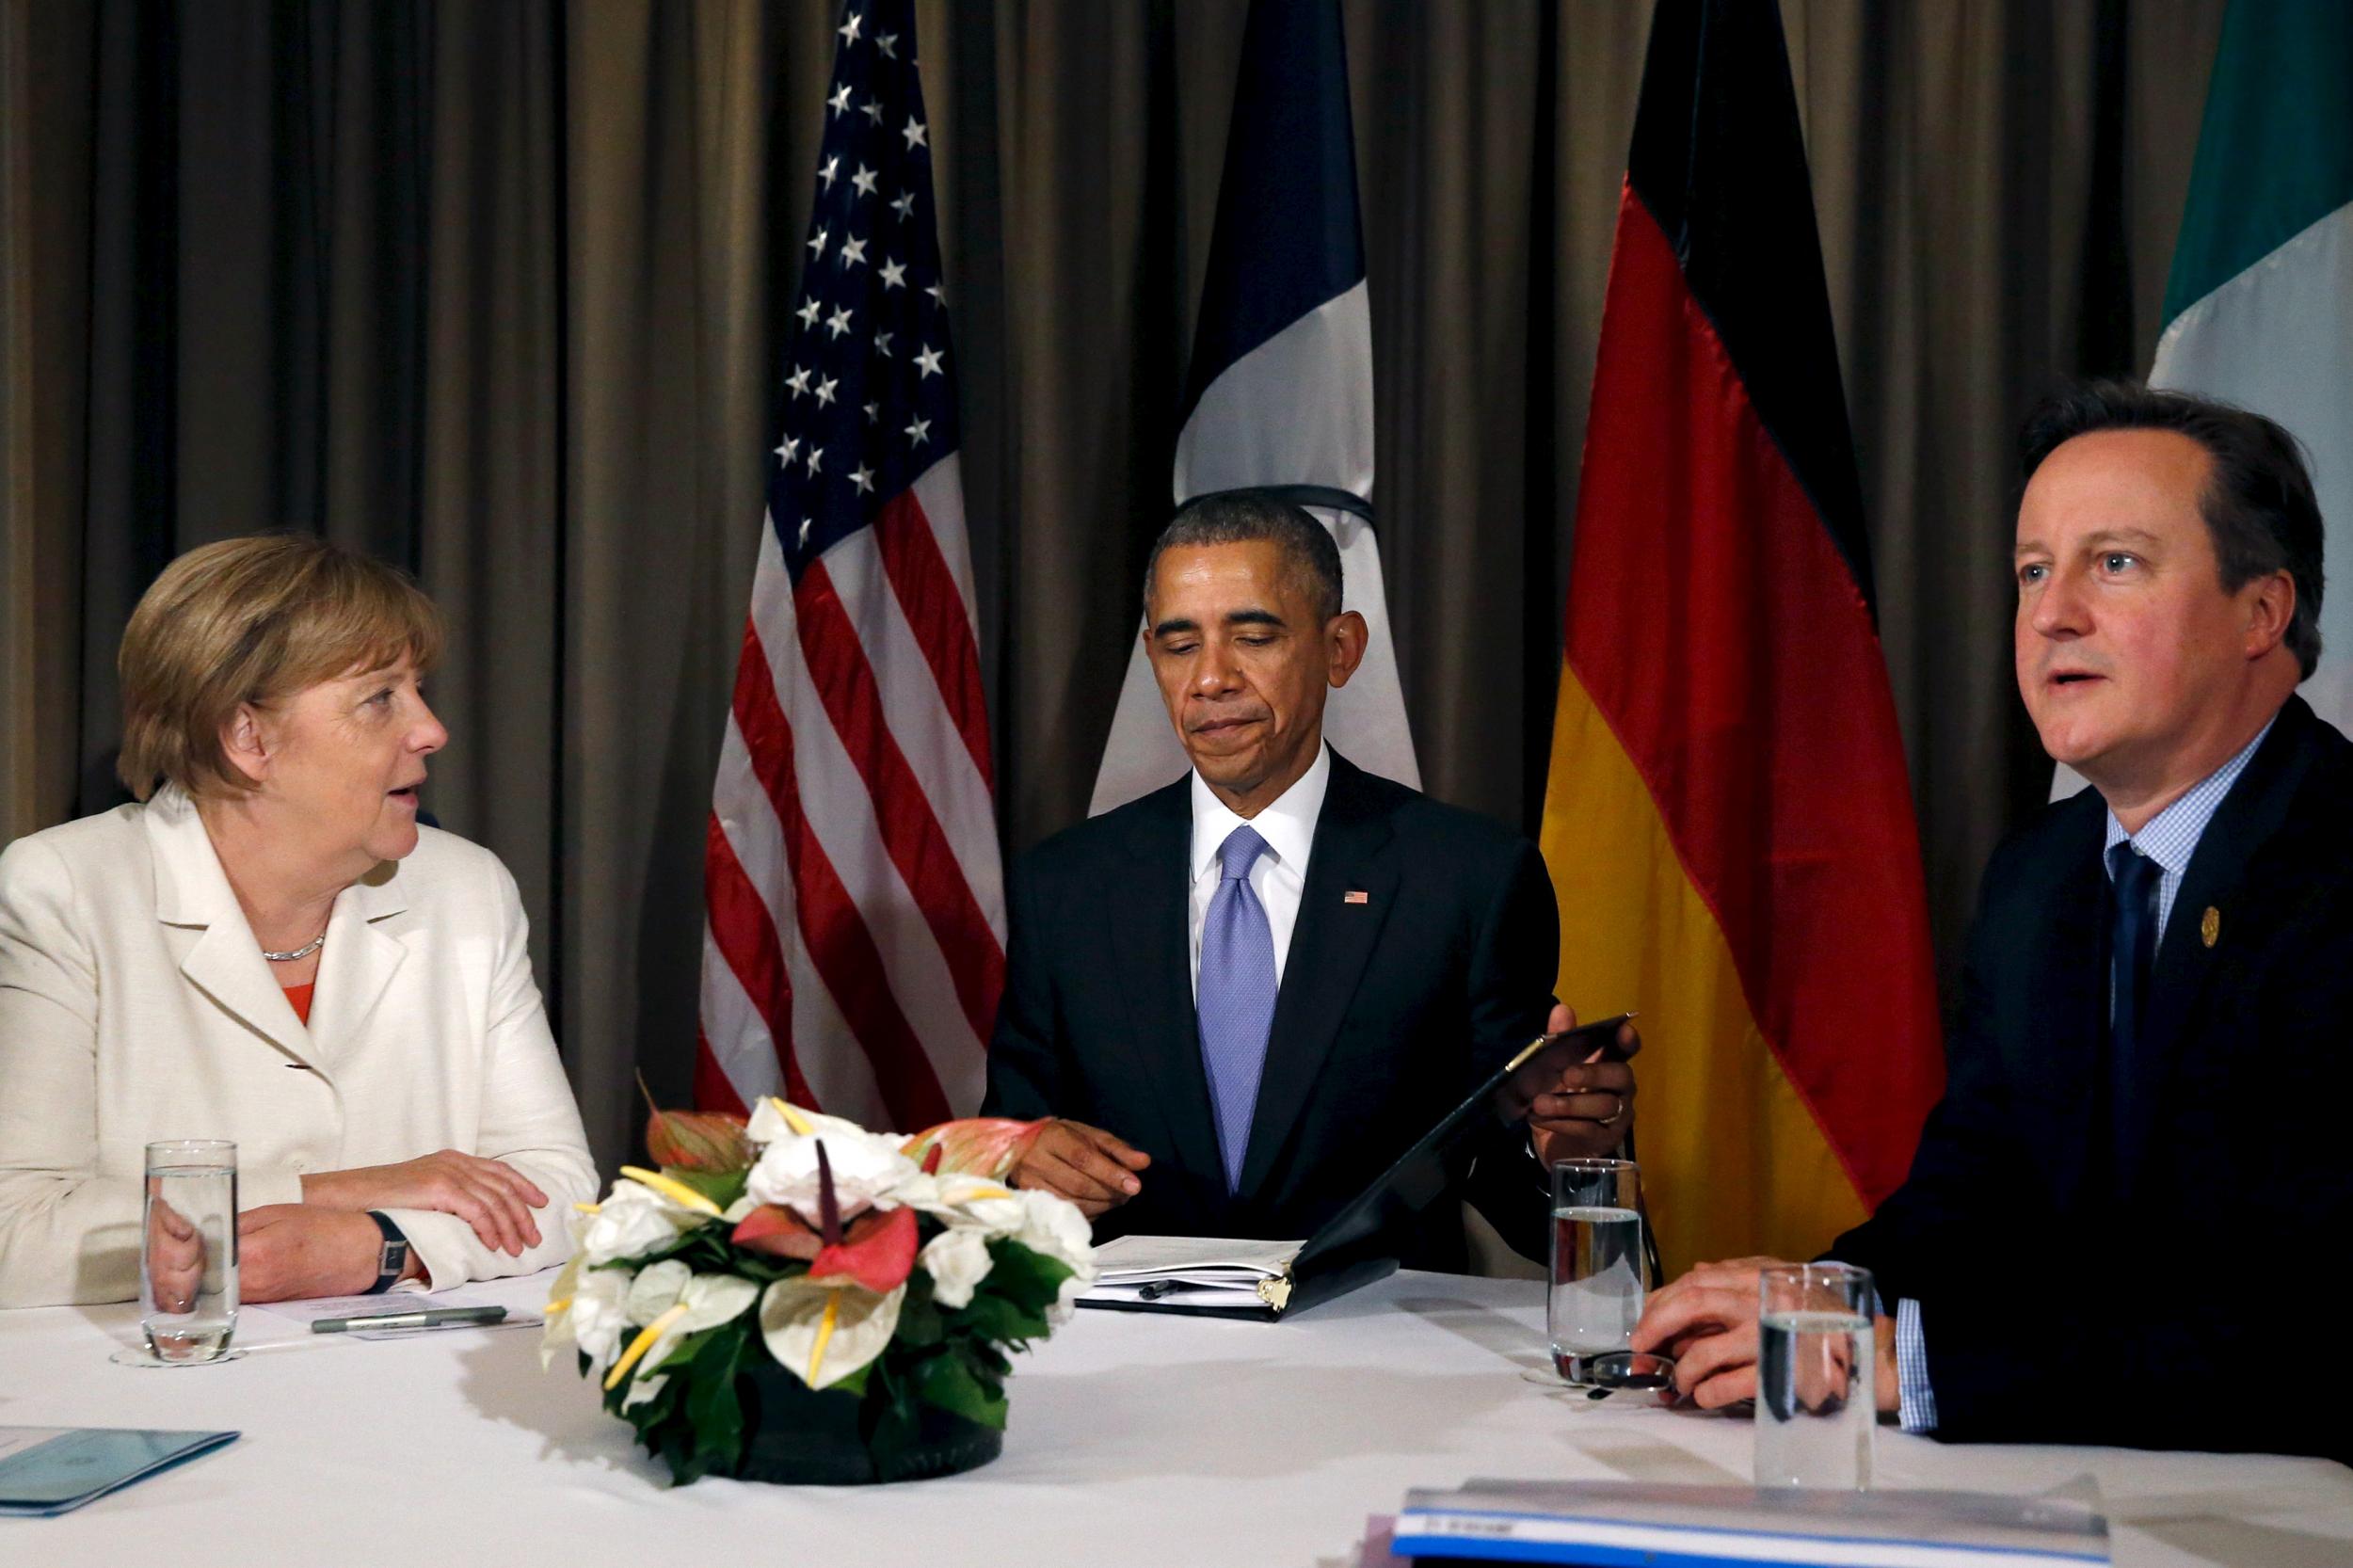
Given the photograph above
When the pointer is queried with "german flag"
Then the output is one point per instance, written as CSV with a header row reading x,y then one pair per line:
x,y
1727,819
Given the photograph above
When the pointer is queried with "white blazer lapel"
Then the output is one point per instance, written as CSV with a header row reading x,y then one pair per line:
x,y
192,892
359,960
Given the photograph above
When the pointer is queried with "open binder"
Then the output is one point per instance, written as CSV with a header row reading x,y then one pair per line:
x,y
1268,1280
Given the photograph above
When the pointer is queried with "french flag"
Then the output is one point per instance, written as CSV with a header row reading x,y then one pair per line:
x,y
1280,394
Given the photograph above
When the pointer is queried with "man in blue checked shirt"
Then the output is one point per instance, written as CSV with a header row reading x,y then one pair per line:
x,y
2144,1119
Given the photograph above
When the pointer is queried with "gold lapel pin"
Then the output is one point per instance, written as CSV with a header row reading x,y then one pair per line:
x,y
2209,925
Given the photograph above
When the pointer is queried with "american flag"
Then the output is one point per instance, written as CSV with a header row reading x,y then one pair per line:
x,y
856,944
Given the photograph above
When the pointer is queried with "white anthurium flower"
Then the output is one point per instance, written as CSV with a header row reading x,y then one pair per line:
x,y
672,1301
1054,1227
556,1331
961,1200
586,1310
773,1120
1067,1299
996,1216
656,1289
957,1259
822,1331
868,1172
634,1219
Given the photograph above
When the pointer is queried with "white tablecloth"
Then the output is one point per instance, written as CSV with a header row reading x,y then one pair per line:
x,y
1143,1440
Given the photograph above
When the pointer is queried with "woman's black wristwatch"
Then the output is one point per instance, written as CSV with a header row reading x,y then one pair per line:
x,y
393,1261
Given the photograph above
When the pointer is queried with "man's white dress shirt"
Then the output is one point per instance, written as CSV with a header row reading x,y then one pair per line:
x,y
1279,876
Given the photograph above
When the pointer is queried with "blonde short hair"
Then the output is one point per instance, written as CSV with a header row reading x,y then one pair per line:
x,y
253,620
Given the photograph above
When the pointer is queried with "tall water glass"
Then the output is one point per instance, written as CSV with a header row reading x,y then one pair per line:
x,y
188,1249
1817,1376
1595,1295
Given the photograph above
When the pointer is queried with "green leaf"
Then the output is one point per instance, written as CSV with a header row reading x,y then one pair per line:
x,y
707,1251
755,1266
646,1413
1028,1279
721,1187
890,1406
1000,1320
947,1381
920,1320
681,1354
714,1403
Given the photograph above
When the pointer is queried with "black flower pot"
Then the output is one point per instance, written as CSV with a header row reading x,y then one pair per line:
x,y
804,1437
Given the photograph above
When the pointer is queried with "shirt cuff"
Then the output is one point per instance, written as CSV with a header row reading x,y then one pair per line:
x,y
1916,1396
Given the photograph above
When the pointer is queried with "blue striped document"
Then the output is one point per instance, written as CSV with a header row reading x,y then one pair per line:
x,y
1641,1525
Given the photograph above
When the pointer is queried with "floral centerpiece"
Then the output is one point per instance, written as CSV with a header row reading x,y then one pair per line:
x,y
793,1298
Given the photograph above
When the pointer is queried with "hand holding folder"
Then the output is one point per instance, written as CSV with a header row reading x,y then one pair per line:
x,y
1271,1279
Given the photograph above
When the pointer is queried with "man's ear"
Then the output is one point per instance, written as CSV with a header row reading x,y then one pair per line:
x,y
2270,611
244,744
1345,636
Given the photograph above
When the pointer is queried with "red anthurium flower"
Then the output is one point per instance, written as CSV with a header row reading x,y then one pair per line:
x,y
976,1146
779,1232
878,1251
695,1139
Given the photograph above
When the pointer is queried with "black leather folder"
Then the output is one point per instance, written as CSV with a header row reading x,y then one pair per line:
x,y
1350,1249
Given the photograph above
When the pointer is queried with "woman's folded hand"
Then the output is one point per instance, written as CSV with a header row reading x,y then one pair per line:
x,y
494,1197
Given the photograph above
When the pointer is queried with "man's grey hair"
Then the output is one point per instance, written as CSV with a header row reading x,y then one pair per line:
x,y
1250,517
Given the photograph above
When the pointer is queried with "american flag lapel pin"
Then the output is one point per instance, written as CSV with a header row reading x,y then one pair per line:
x,y
1356,895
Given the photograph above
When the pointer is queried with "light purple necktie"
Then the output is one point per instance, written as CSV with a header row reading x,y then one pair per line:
x,y
1235,997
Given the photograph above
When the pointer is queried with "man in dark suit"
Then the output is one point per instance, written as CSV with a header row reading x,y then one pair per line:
x,y
2143,1123
1245,994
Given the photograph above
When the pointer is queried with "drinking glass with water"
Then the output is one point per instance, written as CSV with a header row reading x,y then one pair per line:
x,y
1817,1376
1595,1296
188,1249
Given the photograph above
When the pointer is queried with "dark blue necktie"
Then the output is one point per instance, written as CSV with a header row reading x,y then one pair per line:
x,y
2132,954
1235,997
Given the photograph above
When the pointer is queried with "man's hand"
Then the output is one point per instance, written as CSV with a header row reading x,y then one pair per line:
x,y
1590,1110
1707,1320
489,1194
1083,1163
292,1251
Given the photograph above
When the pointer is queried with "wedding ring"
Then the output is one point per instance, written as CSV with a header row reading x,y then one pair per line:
x,y
1614,1118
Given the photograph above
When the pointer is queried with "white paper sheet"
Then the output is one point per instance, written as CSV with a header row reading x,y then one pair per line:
x,y
1204,1260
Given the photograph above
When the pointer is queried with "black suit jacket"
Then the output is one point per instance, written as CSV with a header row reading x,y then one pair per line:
x,y
1391,1010
2177,1305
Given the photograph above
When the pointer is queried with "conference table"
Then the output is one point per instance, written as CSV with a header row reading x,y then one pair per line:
x,y
1143,1439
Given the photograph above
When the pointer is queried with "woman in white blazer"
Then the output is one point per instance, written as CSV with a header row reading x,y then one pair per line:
x,y
271,950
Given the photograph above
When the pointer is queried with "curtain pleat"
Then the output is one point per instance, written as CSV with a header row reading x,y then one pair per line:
x,y
498,291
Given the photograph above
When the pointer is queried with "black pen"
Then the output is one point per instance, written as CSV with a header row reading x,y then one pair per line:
x,y
1157,1289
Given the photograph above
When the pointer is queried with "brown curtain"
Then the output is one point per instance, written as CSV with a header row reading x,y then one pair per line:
x,y
486,288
